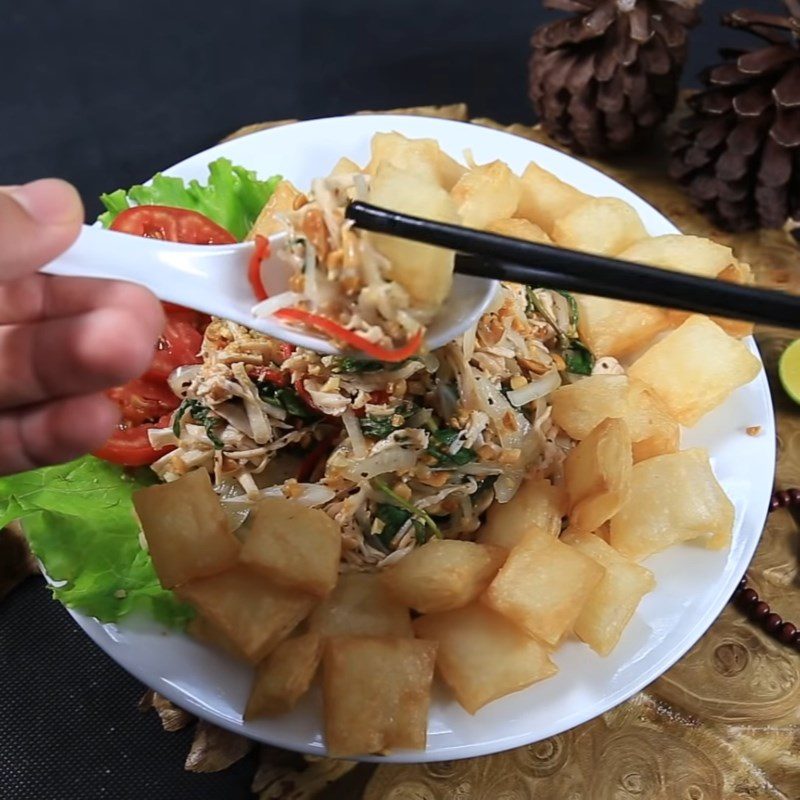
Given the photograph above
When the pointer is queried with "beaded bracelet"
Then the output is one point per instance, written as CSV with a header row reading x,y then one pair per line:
x,y
747,600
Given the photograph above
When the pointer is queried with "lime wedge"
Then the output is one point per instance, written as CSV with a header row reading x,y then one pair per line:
x,y
789,370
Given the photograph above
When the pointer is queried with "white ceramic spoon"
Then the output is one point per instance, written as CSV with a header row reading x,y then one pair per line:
x,y
213,279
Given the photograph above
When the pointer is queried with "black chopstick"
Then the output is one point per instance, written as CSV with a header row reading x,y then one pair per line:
x,y
508,259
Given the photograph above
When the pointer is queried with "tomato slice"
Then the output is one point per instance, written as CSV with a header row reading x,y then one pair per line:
x,y
178,345
197,319
130,445
142,400
171,224
149,398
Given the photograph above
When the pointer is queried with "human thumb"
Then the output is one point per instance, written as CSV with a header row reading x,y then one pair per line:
x,y
37,222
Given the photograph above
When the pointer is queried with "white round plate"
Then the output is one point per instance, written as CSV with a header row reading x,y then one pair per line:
x,y
693,584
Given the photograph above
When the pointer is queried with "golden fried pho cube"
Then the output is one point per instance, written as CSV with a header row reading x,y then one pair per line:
x,y
376,691
186,529
543,586
443,574
254,614
674,498
295,546
482,656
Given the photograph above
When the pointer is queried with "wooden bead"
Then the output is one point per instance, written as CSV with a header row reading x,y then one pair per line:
x,y
771,623
786,633
747,598
750,603
758,611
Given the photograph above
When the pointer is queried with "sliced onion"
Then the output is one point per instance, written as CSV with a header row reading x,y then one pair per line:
x,y
234,414
357,440
308,494
266,308
181,377
391,459
331,403
481,470
494,403
506,485
468,342
445,400
540,387
431,362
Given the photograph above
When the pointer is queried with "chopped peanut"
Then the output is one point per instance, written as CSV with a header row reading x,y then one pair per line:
x,y
533,366
517,382
487,452
399,388
402,490
335,259
509,456
351,283
435,479
331,385
291,489
510,421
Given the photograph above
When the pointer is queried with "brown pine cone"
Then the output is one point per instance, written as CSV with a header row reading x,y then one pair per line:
x,y
602,79
738,153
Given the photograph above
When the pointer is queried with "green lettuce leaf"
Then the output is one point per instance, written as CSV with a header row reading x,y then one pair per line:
x,y
79,520
233,197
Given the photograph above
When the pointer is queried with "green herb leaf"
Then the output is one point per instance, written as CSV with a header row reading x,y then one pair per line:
x,y
379,427
286,398
233,196
420,533
439,445
393,518
293,403
202,415
354,365
79,520
418,513
578,358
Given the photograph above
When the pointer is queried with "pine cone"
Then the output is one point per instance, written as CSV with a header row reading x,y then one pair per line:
x,y
739,151
603,79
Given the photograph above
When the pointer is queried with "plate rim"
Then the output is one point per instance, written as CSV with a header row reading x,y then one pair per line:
x,y
691,635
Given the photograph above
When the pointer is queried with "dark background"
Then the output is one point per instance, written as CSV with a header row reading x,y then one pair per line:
x,y
104,94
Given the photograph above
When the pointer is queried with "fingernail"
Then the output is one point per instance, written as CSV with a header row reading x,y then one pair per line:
x,y
49,201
